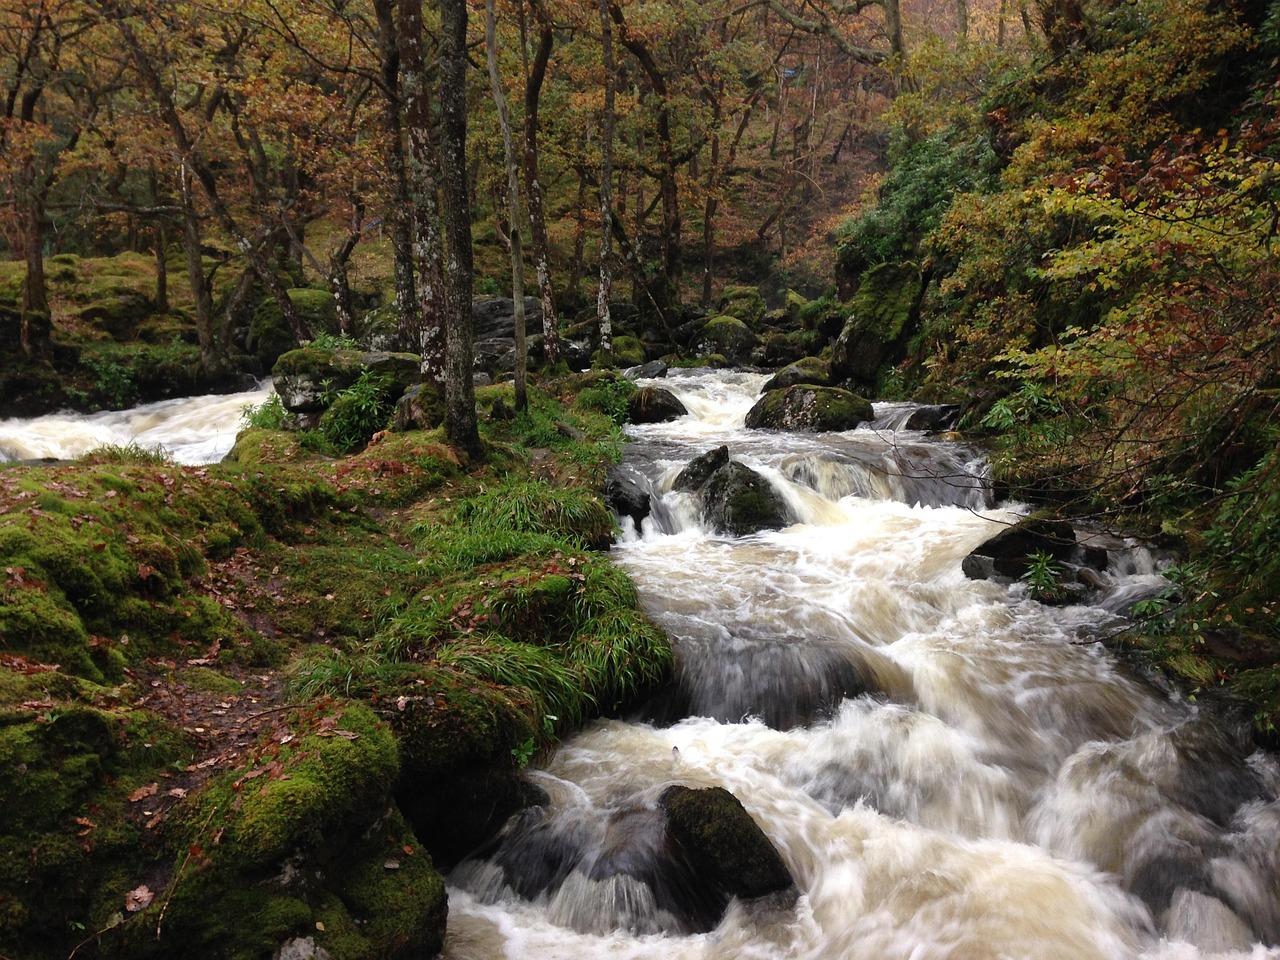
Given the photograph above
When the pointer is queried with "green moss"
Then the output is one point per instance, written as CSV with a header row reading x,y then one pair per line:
x,y
808,407
627,352
727,336
744,303
271,336
204,680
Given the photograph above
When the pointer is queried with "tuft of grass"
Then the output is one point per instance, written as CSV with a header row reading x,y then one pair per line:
x,y
127,453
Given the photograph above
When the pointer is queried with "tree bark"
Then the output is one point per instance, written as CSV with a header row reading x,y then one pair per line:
x,y
460,407
533,185
605,291
513,204
400,216
423,191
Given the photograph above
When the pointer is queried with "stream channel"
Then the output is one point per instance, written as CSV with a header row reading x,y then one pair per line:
x,y
949,769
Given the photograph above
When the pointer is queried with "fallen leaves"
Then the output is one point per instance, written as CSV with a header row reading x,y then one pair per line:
x,y
139,898
143,792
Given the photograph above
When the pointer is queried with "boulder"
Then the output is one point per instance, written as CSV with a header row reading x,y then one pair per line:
x,y
307,377
729,337
810,408
884,310
726,847
744,303
421,407
734,498
1009,553
653,370
809,370
934,417
625,495
654,405
494,317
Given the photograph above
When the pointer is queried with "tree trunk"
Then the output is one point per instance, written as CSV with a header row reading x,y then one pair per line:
x,y
423,190
35,290
605,290
460,406
400,215
513,203
211,357
533,185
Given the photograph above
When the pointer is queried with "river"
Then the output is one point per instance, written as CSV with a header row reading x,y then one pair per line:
x,y
190,429
948,768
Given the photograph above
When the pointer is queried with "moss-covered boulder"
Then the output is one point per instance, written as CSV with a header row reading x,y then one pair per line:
x,y
421,407
728,850
308,378
883,314
117,310
627,351
734,499
270,334
654,405
809,408
743,303
299,839
811,370
728,337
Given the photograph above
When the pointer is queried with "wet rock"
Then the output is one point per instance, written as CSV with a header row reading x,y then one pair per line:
x,y
810,408
700,469
936,417
625,496
1009,553
653,370
809,370
725,846
654,405
734,498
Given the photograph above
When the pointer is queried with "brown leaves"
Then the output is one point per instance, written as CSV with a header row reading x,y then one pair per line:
x,y
139,898
143,792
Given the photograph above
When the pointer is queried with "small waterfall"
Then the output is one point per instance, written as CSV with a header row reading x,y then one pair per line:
x,y
948,768
190,429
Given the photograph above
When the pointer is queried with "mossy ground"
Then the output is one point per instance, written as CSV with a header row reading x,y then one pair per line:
x,y
152,614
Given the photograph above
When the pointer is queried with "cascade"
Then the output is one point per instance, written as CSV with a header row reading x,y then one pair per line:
x,y
948,768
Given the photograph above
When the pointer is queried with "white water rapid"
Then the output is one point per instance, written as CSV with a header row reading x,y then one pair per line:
x,y
190,429
948,768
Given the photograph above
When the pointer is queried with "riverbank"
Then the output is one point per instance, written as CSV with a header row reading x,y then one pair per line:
x,y
222,680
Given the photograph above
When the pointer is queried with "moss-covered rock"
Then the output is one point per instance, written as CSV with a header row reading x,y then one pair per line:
x,y
734,498
743,303
811,370
628,351
728,337
810,408
654,405
726,846
1010,553
884,312
270,335
307,379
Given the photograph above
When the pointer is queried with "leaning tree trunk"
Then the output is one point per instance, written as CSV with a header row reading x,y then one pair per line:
x,y
460,404
513,204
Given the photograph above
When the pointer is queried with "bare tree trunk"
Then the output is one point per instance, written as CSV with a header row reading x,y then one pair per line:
x,y
513,203
533,185
211,356
605,290
401,213
962,18
423,190
460,413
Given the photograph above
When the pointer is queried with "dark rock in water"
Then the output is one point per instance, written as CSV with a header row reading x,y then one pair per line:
x,y
654,405
734,498
725,846
700,469
653,370
940,417
1009,552
810,408
738,501
625,496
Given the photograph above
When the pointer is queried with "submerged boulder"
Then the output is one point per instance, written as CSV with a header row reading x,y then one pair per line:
x,y
724,844
1011,552
734,498
654,405
810,408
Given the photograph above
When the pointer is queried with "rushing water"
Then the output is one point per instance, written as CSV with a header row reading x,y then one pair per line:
x,y
948,768
191,429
